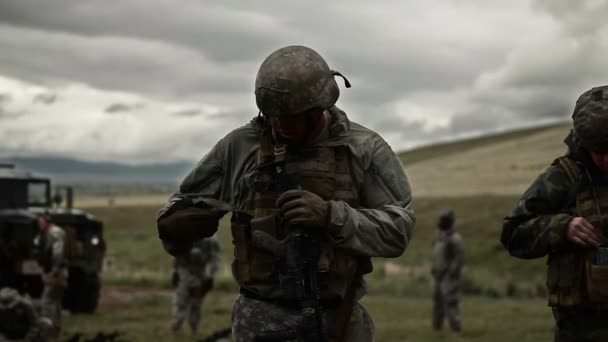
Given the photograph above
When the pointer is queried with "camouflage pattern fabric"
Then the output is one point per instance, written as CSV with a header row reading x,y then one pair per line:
x,y
252,318
448,260
293,80
55,280
537,224
18,319
590,119
193,269
381,227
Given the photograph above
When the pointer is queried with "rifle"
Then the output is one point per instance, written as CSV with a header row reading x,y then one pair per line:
x,y
299,253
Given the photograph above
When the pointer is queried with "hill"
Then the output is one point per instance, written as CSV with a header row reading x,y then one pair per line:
x,y
74,171
499,164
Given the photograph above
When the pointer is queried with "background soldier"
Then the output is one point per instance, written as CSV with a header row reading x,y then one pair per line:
x,y
448,259
18,319
193,277
563,214
51,241
301,174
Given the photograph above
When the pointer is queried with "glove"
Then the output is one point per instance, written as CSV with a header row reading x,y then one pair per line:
x,y
182,225
301,207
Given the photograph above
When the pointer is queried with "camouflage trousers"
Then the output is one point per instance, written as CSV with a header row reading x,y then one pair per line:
x,y
51,305
446,298
188,302
580,325
252,317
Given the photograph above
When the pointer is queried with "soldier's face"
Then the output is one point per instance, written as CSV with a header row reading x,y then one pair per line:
x,y
601,160
43,224
296,129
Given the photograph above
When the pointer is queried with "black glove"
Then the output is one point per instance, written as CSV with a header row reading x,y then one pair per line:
x,y
301,207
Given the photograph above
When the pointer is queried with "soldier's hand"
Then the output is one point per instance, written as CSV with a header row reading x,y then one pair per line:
x,y
301,207
582,232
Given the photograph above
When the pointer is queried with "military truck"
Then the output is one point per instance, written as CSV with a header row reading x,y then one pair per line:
x,y
24,196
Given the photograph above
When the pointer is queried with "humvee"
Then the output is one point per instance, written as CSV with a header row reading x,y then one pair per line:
x,y
23,197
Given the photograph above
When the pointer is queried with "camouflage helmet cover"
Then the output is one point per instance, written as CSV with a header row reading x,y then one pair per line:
x,y
590,119
295,79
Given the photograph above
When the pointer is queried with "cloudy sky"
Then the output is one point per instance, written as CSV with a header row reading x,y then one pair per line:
x,y
162,80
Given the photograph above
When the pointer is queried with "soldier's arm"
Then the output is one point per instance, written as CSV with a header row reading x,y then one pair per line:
x,y
204,180
58,250
455,256
537,223
214,263
384,226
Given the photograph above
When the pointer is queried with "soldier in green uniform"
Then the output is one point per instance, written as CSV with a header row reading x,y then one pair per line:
x,y
564,215
18,319
299,173
193,274
448,259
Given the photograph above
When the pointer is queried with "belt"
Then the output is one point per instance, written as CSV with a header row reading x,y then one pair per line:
x,y
327,303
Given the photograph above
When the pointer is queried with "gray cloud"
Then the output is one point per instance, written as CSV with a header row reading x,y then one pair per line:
x,y
5,97
122,108
421,70
45,98
7,114
579,18
187,112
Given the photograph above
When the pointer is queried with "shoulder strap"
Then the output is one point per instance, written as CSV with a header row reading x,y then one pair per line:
x,y
571,168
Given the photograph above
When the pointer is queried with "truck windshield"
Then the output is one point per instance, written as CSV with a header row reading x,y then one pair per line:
x,y
23,193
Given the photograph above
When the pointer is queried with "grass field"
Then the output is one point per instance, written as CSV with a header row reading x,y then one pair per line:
x,y
504,295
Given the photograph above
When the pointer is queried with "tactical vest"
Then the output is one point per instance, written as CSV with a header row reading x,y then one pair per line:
x,y
325,171
575,277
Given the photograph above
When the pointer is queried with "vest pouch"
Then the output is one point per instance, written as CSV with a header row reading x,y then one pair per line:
x,y
565,279
241,238
596,267
263,262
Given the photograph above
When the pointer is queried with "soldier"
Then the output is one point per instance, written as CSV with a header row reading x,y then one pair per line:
x,y
448,259
563,215
300,172
51,242
193,277
18,319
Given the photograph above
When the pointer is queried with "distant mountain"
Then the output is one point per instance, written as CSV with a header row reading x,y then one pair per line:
x,y
74,171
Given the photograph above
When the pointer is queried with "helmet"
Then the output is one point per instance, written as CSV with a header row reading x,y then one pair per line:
x,y
295,79
446,218
590,119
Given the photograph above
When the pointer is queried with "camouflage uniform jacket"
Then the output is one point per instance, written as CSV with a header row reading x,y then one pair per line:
x,y
53,249
202,262
537,225
448,255
382,227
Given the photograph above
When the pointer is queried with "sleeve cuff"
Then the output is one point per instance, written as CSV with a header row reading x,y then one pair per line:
x,y
337,218
557,233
